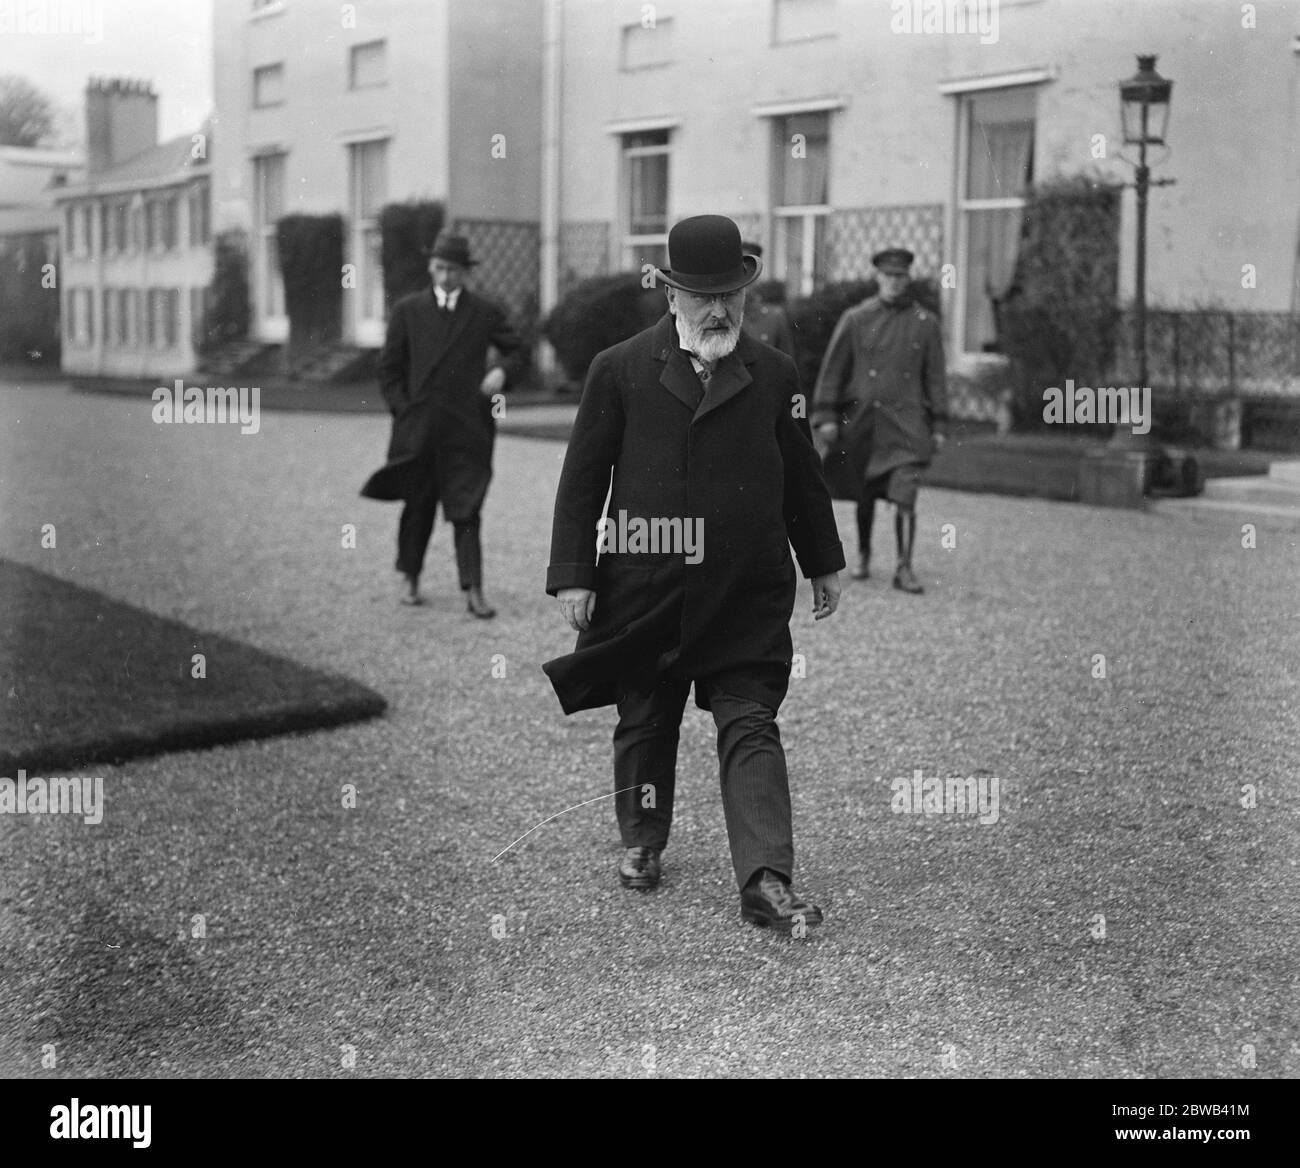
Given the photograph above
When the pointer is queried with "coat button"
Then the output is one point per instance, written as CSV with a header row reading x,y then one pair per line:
x,y
871,373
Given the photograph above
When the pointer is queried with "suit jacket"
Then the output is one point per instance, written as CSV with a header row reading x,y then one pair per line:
x,y
734,460
430,369
882,379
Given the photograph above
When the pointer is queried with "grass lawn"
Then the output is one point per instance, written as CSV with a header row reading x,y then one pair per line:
x,y
85,678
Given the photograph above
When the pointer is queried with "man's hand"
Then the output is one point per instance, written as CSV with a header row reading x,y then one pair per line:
x,y
826,595
824,437
939,438
579,605
493,382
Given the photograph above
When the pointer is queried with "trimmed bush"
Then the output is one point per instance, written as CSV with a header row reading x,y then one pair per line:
x,y
311,261
406,230
230,307
598,313
29,314
1059,320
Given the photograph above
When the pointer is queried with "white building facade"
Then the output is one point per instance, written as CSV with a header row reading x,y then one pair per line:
x,y
831,128
341,109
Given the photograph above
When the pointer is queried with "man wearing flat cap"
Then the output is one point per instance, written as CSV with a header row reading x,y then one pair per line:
x,y
690,428
880,406
434,375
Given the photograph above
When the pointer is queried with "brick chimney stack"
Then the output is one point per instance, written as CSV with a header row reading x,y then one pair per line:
x,y
121,120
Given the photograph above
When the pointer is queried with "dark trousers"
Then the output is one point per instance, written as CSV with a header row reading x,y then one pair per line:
x,y
751,763
415,529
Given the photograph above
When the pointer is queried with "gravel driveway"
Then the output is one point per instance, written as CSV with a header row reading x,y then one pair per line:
x,y
1125,915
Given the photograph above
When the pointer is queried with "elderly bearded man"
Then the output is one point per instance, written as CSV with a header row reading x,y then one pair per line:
x,y
694,423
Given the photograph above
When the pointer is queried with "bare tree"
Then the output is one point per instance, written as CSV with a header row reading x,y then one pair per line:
x,y
26,115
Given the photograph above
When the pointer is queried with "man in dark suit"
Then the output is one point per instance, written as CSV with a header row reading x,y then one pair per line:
x,y
712,480
434,376
881,406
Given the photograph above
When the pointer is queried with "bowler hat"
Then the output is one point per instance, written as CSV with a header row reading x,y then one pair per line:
x,y
705,256
452,248
893,259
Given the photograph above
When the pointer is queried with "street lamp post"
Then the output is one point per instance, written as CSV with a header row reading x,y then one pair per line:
x,y
1144,115
1121,473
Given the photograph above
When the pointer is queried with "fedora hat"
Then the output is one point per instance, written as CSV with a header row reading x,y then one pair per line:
x,y
452,248
705,256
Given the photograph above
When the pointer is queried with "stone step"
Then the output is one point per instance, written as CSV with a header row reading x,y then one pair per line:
x,y
1267,498
1280,492
1287,470
1284,518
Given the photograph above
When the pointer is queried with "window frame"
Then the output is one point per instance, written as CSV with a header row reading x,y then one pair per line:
x,y
262,71
268,282
364,227
812,273
631,28
963,205
777,41
629,240
353,87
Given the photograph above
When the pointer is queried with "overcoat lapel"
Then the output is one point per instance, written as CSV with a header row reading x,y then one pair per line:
x,y
427,324
680,379
677,376
729,378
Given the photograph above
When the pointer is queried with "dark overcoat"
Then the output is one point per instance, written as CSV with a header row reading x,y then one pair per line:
x,y
882,379
430,370
733,457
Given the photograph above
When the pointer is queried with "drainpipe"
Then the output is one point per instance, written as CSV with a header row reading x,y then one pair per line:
x,y
552,53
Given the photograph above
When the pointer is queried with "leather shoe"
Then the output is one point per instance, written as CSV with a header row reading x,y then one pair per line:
x,y
769,902
639,868
861,571
479,607
904,581
408,590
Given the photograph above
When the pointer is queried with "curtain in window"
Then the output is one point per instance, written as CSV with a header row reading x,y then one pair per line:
x,y
804,160
648,194
1001,167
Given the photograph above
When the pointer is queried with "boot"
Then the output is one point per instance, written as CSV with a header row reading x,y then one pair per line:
x,y
866,516
905,533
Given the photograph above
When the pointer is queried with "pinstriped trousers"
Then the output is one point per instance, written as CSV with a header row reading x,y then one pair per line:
x,y
751,766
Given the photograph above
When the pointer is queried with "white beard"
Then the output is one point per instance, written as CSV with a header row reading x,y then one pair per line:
x,y
709,346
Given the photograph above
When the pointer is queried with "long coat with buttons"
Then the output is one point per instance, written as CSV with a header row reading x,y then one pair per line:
x,y
733,457
882,379
430,370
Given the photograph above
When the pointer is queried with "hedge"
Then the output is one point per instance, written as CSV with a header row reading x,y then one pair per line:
x,y
1060,318
406,231
311,262
229,304
605,310
29,313
598,313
